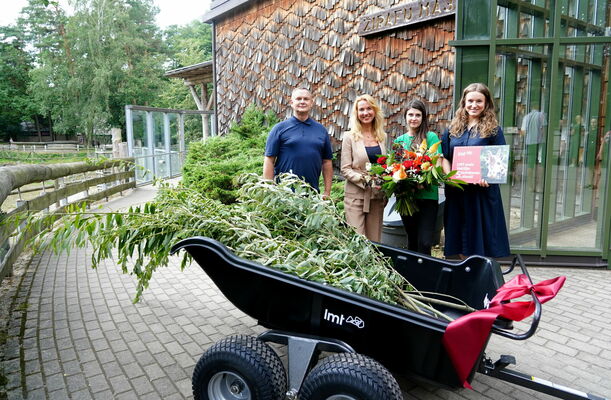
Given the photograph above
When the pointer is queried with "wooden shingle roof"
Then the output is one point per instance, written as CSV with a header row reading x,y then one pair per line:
x,y
193,74
220,7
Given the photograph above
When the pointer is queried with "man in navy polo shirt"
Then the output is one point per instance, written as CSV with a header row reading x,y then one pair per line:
x,y
300,145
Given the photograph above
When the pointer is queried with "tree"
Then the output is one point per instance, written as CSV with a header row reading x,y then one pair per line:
x,y
187,45
42,27
81,70
15,64
108,54
140,53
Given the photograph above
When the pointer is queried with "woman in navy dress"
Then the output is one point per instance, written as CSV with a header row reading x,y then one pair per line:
x,y
474,220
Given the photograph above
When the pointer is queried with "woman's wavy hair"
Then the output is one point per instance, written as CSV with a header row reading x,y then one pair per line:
x,y
356,130
487,124
424,126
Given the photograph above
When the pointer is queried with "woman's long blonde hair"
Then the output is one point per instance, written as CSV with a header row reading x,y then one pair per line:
x,y
356,130
487,124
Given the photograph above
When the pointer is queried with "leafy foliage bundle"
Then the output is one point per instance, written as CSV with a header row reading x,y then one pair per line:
x,y
212,166
286,226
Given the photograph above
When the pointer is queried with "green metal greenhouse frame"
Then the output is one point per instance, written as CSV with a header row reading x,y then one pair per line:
x,y
486,29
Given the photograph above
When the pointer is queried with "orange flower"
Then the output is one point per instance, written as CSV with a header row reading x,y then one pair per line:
x,y
398,173
410,154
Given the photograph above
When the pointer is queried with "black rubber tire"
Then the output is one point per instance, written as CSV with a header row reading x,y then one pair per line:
x,y
249,359
351,375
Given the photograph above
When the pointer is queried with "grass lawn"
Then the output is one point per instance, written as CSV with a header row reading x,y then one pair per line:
x,y
9,157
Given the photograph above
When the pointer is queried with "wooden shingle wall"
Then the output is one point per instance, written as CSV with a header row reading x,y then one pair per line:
x,y
266,50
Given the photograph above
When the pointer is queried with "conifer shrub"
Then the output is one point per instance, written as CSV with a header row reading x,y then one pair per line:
x,y
212,167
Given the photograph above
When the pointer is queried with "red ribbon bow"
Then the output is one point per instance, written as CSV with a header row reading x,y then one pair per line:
x,y
465,337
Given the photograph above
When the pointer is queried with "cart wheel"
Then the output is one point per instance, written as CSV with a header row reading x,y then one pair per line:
x,y
239,368
350,376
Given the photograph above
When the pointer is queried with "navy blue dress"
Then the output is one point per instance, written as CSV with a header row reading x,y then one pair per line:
x,y
474,221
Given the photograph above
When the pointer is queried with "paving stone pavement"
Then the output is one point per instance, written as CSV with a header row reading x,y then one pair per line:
x,y
74,333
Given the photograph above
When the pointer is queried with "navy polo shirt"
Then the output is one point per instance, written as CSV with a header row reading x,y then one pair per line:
x,y
299,148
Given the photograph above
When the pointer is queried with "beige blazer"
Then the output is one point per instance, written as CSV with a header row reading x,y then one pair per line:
x,y
354,158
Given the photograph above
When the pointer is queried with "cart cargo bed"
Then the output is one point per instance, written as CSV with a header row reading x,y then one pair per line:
x,y
404,341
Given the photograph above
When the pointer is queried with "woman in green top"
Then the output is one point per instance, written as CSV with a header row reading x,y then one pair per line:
x,y
420,227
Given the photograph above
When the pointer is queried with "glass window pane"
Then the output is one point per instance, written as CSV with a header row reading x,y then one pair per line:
x,y
522,94
476,20
193,128
523,19
139,130
474,66
141,146
584,18
502,16
577,192
526,25
572,8
158,130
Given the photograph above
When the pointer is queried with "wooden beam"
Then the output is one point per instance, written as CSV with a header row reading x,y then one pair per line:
x,y
205,118
196,97
210,100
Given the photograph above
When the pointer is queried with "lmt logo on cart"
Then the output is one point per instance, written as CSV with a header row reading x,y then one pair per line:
x,y
340,319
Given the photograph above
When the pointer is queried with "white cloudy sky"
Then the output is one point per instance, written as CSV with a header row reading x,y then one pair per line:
x,y
171,12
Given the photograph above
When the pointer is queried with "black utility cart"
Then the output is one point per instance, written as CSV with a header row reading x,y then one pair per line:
x,y
362,339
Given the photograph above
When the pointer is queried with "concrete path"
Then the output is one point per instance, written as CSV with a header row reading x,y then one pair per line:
x,y
73,333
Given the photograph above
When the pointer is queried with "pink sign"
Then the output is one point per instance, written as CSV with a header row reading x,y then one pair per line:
x,y
466,162
474,163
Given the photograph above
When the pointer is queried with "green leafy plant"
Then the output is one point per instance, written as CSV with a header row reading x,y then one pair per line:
x,y
283,225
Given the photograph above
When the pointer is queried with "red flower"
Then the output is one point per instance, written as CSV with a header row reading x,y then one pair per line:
x,y
382,160
408,164
384,165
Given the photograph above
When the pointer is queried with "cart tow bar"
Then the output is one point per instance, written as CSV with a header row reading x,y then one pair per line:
x,y
497,370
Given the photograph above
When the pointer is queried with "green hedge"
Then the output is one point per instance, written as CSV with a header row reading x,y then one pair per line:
x,y
212,166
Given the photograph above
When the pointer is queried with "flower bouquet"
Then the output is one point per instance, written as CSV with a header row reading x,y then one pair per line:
x,y
403,173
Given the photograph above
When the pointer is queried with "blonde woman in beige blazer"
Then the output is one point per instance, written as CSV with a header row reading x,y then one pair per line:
x,y
366,139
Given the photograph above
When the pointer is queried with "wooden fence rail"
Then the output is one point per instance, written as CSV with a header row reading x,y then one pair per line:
x,y
71,185
44,147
